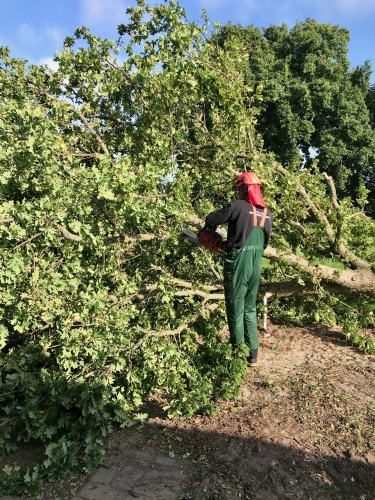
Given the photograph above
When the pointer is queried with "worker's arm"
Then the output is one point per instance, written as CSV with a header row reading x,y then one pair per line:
x,y
267,229
218,217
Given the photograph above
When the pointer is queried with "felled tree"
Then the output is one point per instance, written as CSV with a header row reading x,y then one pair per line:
x,y
103,304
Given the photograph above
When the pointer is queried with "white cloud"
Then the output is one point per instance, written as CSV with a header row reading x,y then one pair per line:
x,y
54,65
278,11
99,12
33,36
352,7
55,34
28,34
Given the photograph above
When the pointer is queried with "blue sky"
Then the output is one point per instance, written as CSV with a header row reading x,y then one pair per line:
x,y
35,29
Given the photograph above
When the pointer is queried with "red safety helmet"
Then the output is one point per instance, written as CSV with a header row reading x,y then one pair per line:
x,y
247,179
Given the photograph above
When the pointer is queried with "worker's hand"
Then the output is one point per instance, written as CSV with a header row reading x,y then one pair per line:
x,y
223,245
211,228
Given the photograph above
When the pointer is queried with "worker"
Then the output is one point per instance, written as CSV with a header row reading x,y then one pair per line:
x,y
249,228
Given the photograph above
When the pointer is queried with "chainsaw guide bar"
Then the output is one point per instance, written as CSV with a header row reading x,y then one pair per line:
x,y
190,234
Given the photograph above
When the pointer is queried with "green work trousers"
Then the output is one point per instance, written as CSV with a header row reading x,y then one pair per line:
x,y
242,269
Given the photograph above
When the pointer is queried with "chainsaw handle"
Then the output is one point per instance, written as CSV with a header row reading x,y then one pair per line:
x,y
208,227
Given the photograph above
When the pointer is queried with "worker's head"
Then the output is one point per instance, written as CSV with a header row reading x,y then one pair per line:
x,y
248,188
247,179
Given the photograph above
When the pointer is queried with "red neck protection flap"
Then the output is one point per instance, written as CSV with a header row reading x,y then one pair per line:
x,y
254,196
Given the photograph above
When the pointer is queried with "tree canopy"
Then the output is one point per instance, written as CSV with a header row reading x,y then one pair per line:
x,y
102,302
312,104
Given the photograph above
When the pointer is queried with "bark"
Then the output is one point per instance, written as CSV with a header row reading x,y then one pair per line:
x,y
68,235
335,280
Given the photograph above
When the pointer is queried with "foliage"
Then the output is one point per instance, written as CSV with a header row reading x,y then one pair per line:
x,y
102,304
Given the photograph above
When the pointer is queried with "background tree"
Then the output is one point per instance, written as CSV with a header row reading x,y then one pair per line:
x,y
312,104
102,303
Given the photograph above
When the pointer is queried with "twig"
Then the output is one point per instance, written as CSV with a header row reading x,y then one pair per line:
x,y
83,325
318,246
24,242
78,112
217,275
7,421
11,392
41,329
58,264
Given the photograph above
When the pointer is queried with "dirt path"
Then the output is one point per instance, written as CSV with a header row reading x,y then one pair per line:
x,y
303,428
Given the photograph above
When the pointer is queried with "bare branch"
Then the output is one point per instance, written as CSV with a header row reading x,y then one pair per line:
x,y
336,246
91,129
292,288
9,219
156,333
68,235
128,238
332,187
360,280
185,284
335,203
204,295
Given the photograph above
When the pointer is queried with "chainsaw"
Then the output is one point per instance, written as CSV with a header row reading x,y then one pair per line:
x,y
208,239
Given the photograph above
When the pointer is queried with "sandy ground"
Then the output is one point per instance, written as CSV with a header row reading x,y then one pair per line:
x,y
304,427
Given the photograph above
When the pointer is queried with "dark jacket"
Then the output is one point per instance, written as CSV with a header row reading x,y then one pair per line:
x,y
239,215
